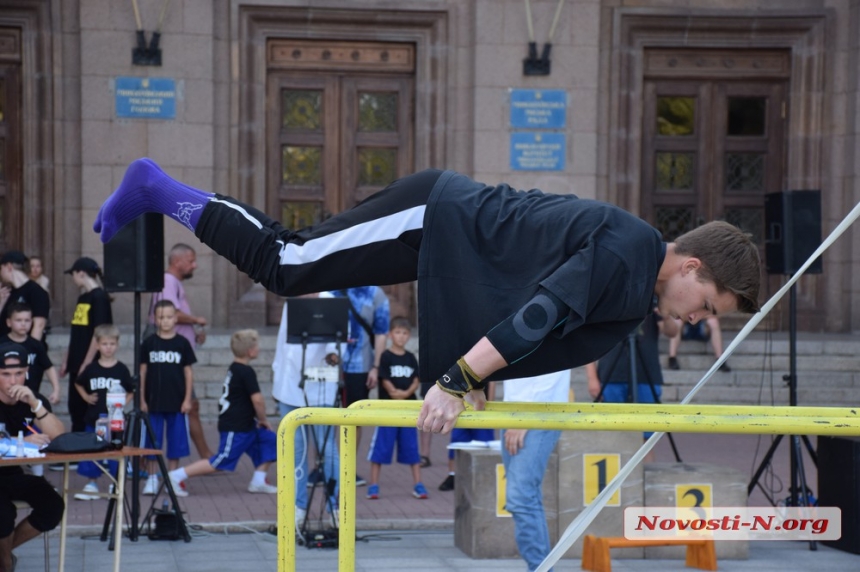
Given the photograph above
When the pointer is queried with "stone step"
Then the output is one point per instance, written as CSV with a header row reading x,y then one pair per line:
x,y
828,369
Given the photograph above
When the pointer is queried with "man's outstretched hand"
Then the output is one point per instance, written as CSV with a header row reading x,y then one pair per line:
x,y
440,410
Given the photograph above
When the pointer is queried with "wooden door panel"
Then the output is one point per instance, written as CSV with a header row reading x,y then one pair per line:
x,y
377,149
673,157
10,157
377,140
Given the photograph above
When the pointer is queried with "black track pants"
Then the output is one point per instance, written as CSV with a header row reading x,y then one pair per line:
x,y
374,243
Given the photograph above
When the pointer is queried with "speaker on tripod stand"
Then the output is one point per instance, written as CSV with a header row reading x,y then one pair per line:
x,y
793,229
134,262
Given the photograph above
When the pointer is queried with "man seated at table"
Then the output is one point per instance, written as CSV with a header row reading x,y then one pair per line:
x,y
20,407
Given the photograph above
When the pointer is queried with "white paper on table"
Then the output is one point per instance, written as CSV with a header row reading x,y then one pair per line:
x,y
474,445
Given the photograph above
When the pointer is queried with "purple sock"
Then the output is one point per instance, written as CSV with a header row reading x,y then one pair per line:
x,y
145,188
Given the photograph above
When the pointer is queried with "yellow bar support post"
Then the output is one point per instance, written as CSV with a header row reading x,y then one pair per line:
x,y
346,524
287,490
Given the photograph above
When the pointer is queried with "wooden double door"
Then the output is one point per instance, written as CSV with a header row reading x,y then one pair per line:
x,y
340,128
711,150
714,142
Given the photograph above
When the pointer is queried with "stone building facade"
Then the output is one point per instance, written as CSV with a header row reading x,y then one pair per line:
x,y
678,110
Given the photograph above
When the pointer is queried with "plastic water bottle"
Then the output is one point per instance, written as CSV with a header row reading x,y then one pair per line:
x,y
117,427
103,427
19,449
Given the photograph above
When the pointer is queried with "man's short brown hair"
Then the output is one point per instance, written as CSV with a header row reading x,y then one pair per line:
x,y
730,260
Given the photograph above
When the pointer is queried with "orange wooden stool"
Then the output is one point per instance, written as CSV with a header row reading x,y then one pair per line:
x,y
595,551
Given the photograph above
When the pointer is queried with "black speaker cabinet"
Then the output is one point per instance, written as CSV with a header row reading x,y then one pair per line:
x,y
839,485
793,231
134,257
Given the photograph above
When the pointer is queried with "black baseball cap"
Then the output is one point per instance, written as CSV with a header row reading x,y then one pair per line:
x,y
86,264
10,351
13,256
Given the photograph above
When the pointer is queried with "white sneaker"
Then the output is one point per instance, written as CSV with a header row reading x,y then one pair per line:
x,y
300,518
37,470
263,488
179,487
89,492
151,486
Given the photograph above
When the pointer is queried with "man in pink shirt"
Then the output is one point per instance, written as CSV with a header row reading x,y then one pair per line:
x,y
181,263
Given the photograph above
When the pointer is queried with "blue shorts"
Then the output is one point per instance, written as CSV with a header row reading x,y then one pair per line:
x,y
259,444
617,393
466,435
382,445
177,434
89,469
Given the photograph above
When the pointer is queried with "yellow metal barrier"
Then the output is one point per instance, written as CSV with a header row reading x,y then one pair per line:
x,y
840,421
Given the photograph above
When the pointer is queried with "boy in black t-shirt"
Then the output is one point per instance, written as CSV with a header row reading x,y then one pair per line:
x,y
19,321
398,379
165,385
107,374
242,423
14,270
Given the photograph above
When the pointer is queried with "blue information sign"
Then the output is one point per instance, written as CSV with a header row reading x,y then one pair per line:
x,y
538,151
538,108
146,97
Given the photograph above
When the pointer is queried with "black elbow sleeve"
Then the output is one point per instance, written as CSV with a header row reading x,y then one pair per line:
x,y
523,332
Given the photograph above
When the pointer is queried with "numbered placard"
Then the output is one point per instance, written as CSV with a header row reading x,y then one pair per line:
x,y
501,491
694,501
698,495
598,469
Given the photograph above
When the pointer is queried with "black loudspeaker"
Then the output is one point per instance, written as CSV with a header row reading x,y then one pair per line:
x,y
793,231
839,485
134,257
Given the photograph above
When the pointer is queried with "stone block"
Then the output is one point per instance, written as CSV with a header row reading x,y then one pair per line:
x,y
478,532
728,486
574,473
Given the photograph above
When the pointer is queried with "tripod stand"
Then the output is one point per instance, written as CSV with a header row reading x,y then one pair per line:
x,y
635,357
321,443
319,320
137,419
798,496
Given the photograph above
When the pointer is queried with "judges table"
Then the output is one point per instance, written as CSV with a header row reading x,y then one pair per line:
x,y
119,488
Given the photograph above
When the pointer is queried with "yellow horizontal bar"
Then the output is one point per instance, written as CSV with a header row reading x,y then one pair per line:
x,y
781,421
842,421
635,408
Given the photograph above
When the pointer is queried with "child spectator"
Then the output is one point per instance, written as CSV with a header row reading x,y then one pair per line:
x,y
398,380
93,385
165,384
37,274
242,423
19,321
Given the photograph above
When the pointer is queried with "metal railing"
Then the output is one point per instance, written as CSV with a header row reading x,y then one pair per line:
x,y
834,421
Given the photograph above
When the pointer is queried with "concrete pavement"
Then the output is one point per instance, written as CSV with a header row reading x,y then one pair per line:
x,y
416,551
399,531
